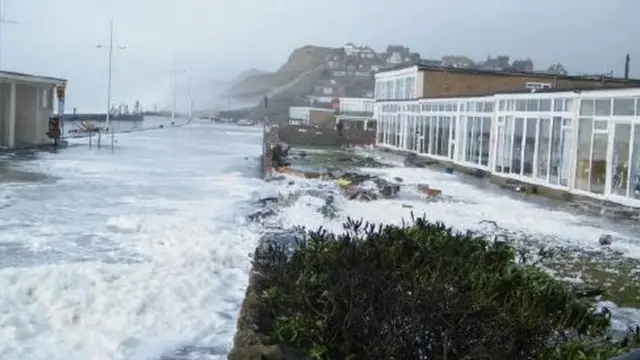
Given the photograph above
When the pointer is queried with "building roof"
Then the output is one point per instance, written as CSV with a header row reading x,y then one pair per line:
x,y
22,77
603,78
518,91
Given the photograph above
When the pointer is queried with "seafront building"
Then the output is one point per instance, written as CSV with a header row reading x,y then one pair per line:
x,y
26,104
579,135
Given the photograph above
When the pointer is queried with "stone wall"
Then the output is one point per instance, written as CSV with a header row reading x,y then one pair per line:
x,y
295,135
249,343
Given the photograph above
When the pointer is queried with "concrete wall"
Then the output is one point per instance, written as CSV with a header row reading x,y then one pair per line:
x,y
24,114
7,113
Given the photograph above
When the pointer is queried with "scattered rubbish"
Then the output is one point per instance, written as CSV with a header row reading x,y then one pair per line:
x,y
407,206
343,182
398,179
449,170
425,189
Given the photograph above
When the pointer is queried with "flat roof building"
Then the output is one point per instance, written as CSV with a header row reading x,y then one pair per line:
x,y
420,81
26,103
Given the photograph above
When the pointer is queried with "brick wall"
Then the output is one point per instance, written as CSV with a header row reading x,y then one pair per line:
x,y
322,119
447,84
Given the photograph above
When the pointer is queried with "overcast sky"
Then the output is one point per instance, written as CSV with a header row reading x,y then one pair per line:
x,y
215,39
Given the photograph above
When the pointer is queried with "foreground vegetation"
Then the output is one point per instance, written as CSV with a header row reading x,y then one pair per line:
x,y
422,291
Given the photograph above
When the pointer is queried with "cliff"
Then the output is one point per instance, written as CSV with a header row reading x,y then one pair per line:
x,y
296,76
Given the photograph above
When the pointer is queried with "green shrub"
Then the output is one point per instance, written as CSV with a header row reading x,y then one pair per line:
x,y
421,291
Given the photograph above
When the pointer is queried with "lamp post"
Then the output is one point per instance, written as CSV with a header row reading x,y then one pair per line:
x,y
110,50
174,84
3,21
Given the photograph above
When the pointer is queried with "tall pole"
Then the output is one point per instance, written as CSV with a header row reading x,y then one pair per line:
x,y
110,74
190,98
3,21
175,84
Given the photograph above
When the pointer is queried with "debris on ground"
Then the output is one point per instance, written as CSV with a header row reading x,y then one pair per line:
x,y
605,239
429,191
415,161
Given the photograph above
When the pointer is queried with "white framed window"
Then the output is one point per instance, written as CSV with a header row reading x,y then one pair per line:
x,y
537,85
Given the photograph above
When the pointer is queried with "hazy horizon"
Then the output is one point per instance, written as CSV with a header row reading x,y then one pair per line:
x,y
217,42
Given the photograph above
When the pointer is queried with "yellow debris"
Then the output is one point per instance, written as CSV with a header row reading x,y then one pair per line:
x,y
343,182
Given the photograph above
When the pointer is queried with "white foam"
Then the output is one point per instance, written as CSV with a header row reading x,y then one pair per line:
x,y
168,255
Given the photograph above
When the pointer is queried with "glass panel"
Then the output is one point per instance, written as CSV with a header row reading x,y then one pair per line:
x,y
452,124
620,160
485,141
568,105
623,107
434,138
453,127
529,145
424,139
508,143
587,107
521,105
470,139
500,150
392,131
411,134
600,125
565,165
399,87
585,131
634,189
408,88
430,131
544,138
443,135
533,105
558,105
555,165
603,107
516,152
598,163
545,105
488,106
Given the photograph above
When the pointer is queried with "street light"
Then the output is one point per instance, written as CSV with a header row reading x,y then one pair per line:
x,y
174,84
3,21
110,48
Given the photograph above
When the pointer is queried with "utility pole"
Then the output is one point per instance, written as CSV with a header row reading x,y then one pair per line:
x,y
174,79
3,21
174,84
110,52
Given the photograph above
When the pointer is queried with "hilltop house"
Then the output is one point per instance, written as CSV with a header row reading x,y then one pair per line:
x,y
522,66
398,54
499,63
456,61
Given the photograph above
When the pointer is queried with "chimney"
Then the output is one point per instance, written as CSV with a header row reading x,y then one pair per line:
x,y
627,62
